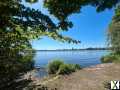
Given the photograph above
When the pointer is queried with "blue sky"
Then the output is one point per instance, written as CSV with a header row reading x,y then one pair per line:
x,y
89,27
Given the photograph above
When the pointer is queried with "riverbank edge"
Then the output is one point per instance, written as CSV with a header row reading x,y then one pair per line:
x,y
46,81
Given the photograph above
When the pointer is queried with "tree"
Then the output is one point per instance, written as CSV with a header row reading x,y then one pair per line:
x,y
114,31
20,24
64,8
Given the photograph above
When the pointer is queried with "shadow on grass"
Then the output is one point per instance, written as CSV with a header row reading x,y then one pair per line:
x,y
40,87
19,85
25,85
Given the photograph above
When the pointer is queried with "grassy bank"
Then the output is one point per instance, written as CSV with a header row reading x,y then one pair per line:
x,y
111,58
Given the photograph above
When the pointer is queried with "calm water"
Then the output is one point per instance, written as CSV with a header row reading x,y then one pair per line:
x,y
85,58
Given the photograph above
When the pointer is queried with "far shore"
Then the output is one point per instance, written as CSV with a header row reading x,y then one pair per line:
x,y
74,49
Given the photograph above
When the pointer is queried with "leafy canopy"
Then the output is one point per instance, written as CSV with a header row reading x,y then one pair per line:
x,y
20,24
114,31
64,8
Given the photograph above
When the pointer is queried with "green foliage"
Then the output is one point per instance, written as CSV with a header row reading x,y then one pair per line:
x,y
20,24
68,68
54,66
13,65
62,9
77,66
59,67
111,58
65,69
114,32
31,1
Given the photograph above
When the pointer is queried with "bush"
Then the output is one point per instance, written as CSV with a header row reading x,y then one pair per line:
x,y
111,58
59,67
53,66
65,69
77,66
68,68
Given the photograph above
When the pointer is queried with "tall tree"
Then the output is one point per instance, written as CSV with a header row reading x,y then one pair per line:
x,y
20,24
114,31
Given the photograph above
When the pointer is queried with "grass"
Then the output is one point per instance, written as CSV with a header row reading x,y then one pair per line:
x,y
111,58
54,66
61,68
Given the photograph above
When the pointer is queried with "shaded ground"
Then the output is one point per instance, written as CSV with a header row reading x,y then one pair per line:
x,y
92,78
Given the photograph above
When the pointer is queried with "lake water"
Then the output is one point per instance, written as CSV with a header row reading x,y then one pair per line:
x,y
84,58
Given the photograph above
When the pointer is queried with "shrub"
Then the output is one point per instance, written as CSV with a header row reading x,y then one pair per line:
x,y
68,68
53,66
65,69
59,67
111,58
77,66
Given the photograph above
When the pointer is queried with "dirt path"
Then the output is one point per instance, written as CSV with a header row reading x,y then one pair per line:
x,y
92,78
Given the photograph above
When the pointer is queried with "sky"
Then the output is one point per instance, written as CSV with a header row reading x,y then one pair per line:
x,y
89,27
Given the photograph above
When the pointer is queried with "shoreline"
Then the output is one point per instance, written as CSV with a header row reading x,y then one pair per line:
x,y
90,77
